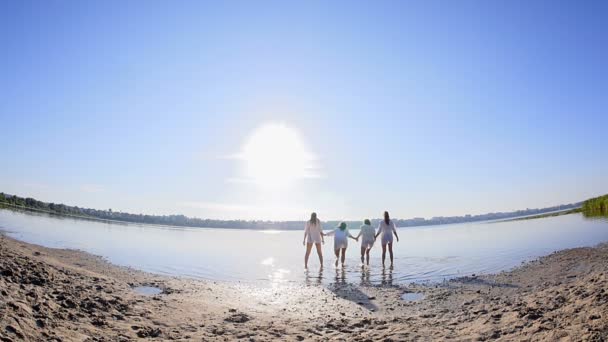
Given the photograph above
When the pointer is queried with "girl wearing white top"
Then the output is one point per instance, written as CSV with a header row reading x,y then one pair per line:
x,y
341,236
387,229
368,238
314,233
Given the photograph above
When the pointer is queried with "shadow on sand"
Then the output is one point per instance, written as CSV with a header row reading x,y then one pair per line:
x,y
352,292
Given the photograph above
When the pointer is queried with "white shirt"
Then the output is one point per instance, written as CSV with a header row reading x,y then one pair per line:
x,y
386,228
313,230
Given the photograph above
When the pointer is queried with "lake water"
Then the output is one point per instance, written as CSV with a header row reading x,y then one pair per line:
x,y
424,254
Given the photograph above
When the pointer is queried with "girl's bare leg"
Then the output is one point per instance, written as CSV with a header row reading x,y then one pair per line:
x,y
308,248
390,251
383,254
343,256
320,253
337,252
362,254
367,253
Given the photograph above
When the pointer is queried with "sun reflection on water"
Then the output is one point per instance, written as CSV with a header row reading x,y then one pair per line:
x,y
268,261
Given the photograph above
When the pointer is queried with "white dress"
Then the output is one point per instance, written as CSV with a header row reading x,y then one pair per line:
x,y
313,231
367,236
387,231
340,238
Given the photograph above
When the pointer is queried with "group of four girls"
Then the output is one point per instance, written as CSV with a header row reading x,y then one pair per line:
x,y
313,234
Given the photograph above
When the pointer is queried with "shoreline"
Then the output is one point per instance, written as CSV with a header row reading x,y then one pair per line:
x,y
545,215
10,206
59,294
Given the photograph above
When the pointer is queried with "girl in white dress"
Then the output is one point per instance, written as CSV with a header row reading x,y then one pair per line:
x,y
387,229
341,236
313,234
368,238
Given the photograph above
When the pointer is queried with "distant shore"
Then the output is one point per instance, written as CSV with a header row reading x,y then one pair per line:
x,y
550,214
298,225
71,295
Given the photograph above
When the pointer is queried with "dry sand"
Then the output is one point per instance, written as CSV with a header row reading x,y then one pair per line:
x,y
64,295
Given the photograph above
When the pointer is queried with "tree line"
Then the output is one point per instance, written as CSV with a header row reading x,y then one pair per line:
x,y
596,207
184,221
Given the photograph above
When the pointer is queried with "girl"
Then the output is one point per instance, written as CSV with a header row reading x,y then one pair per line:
x,y
312,231
341,236
367,242
387,229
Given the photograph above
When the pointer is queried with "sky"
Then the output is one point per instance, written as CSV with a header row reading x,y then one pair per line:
x,y
271,110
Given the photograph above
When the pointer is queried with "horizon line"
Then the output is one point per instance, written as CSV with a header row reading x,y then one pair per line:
x,y
6,195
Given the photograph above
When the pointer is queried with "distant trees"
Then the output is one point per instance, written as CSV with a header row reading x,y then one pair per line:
x,y
596,207
599,204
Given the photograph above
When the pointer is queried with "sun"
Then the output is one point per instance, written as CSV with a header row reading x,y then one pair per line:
x,y
276,156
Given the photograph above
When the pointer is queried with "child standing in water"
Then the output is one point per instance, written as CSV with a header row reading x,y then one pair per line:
x,y
368,237
341,236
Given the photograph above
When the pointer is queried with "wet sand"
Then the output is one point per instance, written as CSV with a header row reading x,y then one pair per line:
x,y
66,295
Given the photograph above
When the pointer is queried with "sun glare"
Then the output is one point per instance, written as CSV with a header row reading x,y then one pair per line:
x,y
276,156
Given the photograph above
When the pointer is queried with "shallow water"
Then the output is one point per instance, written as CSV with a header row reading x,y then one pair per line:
x,y
147,290
271,257
412,296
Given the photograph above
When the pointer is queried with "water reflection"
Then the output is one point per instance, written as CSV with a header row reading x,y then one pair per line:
x,y
595,216
268,262
387,276
365,276
279,276
340,276
311,279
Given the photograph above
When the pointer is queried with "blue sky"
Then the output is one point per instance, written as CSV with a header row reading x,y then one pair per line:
x,y
422,108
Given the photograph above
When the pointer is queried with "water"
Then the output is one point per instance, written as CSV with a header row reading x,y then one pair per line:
x,y
412,296
147,290
272,257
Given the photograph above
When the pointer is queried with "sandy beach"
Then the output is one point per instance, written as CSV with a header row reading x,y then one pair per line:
x,y
66,295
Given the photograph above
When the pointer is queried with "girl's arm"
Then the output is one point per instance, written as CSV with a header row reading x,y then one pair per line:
x,y
322,234
395,231
330,233
305,233
358,234
379,230
352,237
